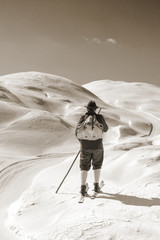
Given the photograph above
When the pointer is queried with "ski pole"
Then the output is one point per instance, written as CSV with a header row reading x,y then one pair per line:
x,y
99,110
67,172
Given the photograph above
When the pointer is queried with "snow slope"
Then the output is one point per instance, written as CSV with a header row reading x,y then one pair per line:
x,y
39,113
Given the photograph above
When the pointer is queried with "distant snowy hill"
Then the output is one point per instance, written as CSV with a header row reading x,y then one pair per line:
x,y
132,96
45,104
38,115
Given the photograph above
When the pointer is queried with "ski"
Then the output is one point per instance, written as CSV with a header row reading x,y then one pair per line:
x,y
94,195
81,199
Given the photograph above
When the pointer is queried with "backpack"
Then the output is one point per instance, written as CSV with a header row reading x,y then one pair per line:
x,y
90,129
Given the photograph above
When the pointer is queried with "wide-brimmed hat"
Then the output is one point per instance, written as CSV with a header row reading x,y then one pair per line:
x,y
92,105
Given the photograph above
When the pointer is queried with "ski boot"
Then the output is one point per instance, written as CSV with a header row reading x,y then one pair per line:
x,y
83,190
96,187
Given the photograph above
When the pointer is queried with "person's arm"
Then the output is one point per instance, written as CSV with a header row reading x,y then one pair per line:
x,y
105,126
79,124
103,122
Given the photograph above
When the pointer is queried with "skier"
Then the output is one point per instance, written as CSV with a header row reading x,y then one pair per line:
x,y
91,148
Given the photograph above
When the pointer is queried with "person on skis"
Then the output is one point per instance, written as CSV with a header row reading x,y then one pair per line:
x,y
91,145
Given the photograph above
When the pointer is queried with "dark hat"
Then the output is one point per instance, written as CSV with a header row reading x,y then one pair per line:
x,y
92,105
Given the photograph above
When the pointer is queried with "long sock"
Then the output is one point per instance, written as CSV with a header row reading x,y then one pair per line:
x,y
97,175
84,177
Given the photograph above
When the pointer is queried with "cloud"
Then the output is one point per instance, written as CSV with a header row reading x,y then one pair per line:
x,y
111,40
96,40
99,41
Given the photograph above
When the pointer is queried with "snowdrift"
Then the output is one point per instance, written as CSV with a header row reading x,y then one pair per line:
x,y
39,113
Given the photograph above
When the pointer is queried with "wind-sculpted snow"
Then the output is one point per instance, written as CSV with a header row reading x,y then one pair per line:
x,y
42,91
46,105
38,116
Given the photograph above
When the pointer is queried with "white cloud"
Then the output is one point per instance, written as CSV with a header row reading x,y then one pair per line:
x,y
96,40
111,40
99,41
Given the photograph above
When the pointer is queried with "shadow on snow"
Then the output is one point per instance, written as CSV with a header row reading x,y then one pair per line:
x,y
131,200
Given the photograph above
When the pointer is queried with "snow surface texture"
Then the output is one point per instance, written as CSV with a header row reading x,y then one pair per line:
x,y
38,116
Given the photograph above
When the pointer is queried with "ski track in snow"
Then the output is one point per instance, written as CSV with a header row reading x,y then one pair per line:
x,y
129,206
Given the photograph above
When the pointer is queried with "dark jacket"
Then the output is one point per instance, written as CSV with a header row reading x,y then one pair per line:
x,y
92,144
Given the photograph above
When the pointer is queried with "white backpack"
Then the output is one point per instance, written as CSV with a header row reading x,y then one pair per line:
x,y
90,129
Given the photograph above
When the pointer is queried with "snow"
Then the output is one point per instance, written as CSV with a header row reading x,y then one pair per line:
x,y
39,113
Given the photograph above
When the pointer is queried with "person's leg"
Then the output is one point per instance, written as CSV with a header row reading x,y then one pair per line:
x,y
84,177
96,179
97,164
85,164
97,175
84,174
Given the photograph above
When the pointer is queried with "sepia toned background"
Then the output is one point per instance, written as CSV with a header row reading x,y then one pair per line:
x,y
83,40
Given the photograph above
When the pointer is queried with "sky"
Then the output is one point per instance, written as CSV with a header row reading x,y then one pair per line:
x,y
83,40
